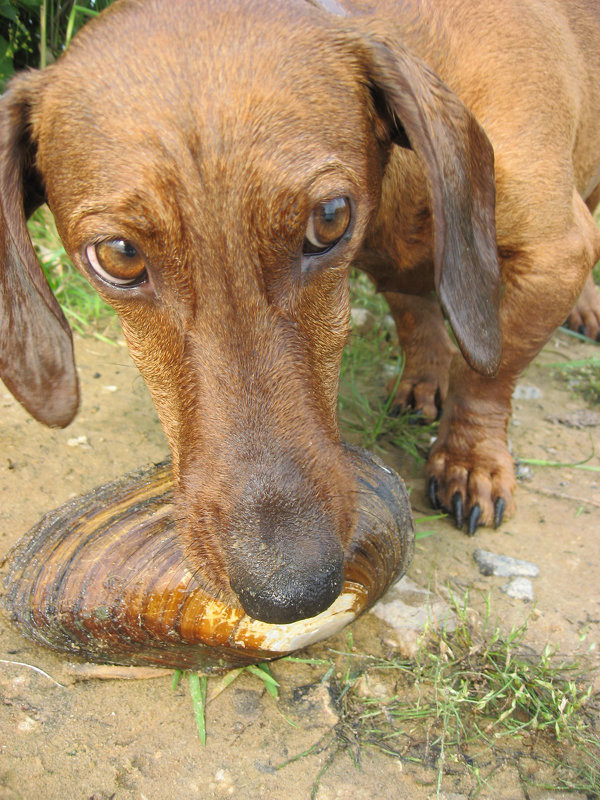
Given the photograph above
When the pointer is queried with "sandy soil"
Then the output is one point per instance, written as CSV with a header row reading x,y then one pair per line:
x,y
102,739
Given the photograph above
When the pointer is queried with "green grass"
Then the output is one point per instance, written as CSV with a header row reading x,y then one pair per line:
x,y
370,363
469,703
198,685
583,376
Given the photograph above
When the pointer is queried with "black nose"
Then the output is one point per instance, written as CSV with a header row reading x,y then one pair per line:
x,y
291,592
284,558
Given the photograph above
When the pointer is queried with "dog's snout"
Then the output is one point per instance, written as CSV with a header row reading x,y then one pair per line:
x,y
297,591
285,559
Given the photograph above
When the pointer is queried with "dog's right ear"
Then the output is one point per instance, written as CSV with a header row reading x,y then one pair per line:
x,y
36,345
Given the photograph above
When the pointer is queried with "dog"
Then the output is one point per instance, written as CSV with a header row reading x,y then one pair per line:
x,y
215,167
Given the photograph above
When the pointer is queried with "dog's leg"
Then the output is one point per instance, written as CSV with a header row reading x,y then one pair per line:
x,y
470,469
428,351
585,316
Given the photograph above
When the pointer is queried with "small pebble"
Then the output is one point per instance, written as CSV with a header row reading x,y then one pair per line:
x,y
362,320
314,705
583,418
390,370
407,606
389,326
526,393
505,566
523,472
519,589
79,441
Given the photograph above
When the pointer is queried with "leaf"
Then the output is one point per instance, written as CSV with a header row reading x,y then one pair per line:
x,y
8,11
176,678
198,692
262,671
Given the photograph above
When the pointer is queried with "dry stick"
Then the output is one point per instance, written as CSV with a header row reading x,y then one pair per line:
x,y
562,496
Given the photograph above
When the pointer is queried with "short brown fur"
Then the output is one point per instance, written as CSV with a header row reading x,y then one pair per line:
x,y
206,133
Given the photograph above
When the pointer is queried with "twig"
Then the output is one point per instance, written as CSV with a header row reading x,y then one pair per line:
x,y
562,495
36,669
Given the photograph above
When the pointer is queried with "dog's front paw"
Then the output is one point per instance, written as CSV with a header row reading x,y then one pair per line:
x,y
585,316
422,393
428,352
473,482
423,385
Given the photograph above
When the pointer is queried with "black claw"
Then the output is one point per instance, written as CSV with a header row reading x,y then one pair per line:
x,y
582,330
499,508
598,336
432,488
395,411
473,522
457,509
416,417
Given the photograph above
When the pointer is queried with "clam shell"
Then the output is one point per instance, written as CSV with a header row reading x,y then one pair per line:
x,y
104,577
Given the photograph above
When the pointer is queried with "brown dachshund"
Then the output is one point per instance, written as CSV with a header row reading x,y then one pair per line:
x,y
216,166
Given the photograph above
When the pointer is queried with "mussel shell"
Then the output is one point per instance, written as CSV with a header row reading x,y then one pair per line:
x,y
104,577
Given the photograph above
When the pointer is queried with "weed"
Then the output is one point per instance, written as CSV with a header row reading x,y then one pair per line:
x,y
369,362
471,701
541,462
199,685
583,377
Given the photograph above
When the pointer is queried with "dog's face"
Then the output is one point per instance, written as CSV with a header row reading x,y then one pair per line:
x,y
213,173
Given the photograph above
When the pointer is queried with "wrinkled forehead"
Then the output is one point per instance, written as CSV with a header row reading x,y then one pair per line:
x,y
155,86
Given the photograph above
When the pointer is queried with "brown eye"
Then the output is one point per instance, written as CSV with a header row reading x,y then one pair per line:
x,y
327,224
117,262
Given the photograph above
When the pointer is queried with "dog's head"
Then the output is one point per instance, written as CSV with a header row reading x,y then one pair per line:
x,y
213,167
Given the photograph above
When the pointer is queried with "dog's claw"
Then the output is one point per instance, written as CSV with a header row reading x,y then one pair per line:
x,y
432,488
473,521
499,508
395,411
457,509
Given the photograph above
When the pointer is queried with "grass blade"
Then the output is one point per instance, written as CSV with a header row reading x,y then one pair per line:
x,y
198,692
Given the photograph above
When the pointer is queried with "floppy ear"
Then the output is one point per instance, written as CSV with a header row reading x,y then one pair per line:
x,y
36,346
458,162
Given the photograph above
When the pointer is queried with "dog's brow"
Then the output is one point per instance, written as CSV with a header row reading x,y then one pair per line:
x,y
334,166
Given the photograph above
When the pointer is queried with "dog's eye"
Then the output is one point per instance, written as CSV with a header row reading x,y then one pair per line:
x,y
327,224
117,262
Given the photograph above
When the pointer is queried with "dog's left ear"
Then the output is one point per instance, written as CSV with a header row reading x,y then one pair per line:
x,y
36,346
420,111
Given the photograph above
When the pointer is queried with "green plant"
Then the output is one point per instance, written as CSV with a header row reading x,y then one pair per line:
x,y
33,33
583,377
198,689
371,369
471,701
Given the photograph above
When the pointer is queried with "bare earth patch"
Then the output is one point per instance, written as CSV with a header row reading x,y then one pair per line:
x,y
100,739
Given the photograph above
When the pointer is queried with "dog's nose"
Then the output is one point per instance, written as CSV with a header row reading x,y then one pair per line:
x,y
294,592
285,563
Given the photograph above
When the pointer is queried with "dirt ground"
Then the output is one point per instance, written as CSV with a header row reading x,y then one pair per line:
x,y
137,739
